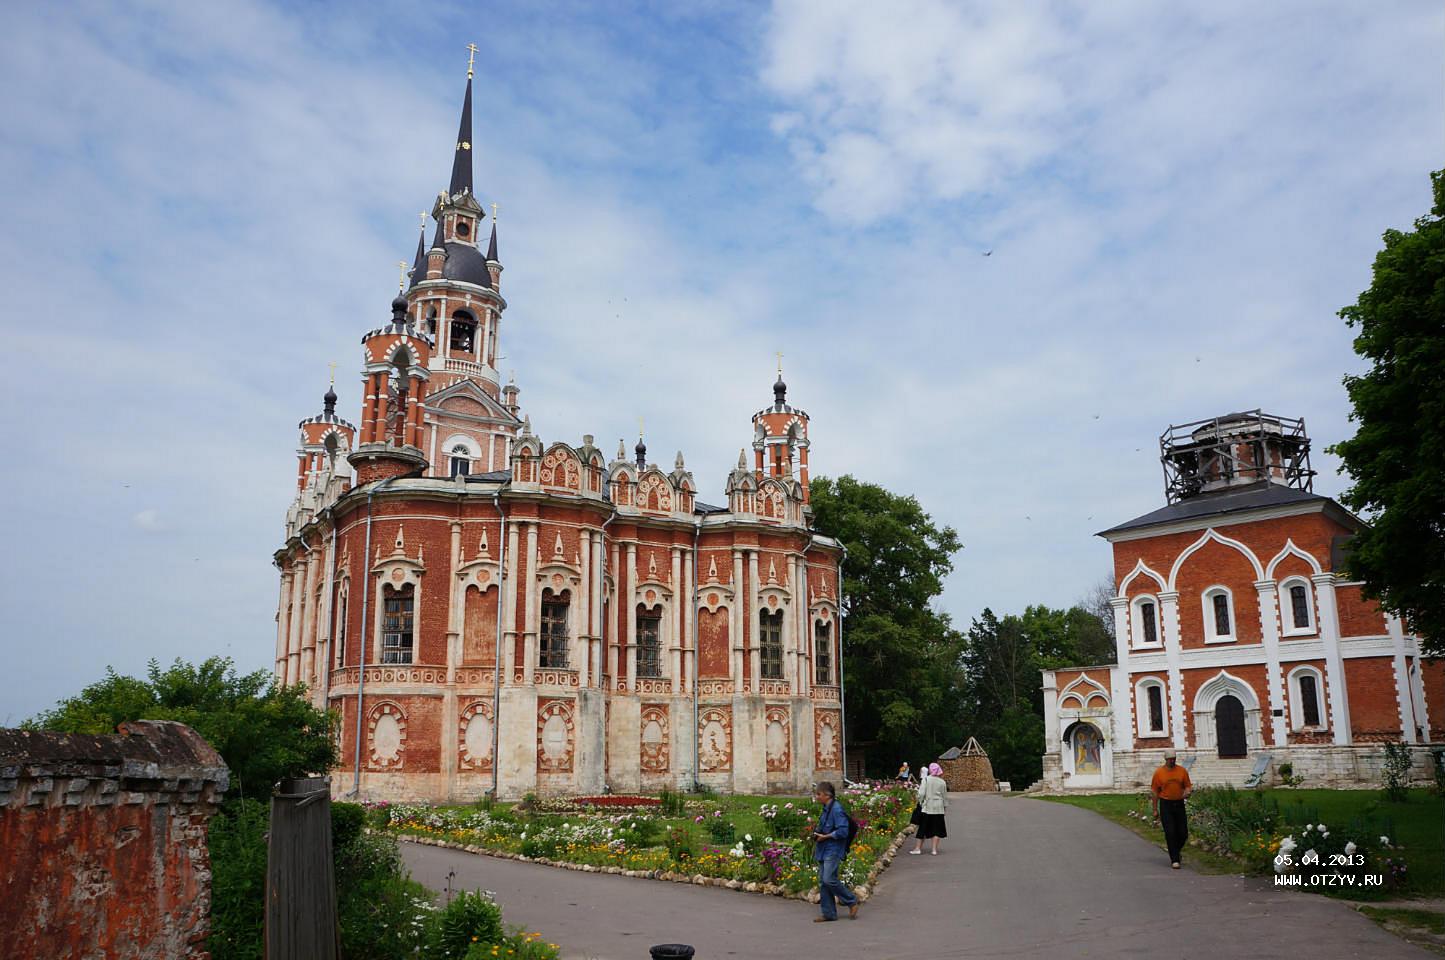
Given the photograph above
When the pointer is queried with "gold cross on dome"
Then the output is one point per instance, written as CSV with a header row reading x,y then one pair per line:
x,y
401,280
639,428
332,365
471,58
780,363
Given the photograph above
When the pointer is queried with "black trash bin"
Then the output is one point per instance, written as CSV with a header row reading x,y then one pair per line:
x,y
672,951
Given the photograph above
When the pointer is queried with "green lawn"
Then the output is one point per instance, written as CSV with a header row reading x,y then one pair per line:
x,y
1417,824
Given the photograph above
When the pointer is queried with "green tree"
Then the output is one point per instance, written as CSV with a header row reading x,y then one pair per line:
x,y
1396,459
264,732
1068,638
901,656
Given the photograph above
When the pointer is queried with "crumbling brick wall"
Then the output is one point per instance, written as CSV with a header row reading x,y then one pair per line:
x,y
104,842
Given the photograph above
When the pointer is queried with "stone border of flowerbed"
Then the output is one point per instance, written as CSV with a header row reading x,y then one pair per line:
x,y
863,890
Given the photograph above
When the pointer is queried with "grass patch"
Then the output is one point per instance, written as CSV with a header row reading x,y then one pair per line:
x,y
1427,920
1416,824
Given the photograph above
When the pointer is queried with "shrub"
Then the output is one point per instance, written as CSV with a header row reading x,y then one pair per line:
x,y
1439,756
720,829
1287,775
238,880
469,919
1396,771
680,843
673,804
347,822
382,913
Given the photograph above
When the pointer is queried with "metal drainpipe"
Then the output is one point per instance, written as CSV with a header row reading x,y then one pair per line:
x,y
842,696
365,631
696,659
497,653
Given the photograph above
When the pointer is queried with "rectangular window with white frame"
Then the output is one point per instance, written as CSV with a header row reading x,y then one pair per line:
x,y
1150,710
1306,699
1144,622
1218,616
1297,608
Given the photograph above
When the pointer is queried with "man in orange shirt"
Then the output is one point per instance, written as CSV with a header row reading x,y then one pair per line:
x,y
1167,793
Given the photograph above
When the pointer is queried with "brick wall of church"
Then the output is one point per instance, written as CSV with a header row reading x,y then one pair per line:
x,y
1374,703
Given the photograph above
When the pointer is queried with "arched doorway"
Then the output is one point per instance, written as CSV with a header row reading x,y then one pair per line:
x,y
1229,727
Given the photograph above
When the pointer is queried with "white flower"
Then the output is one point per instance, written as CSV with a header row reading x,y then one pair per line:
x,y
1324,829
748,837
1350,849
1309,856
1385,841
1309,827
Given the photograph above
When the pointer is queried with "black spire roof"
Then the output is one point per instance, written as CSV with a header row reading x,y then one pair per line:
x,y
418,268
438,239
492,247
462,161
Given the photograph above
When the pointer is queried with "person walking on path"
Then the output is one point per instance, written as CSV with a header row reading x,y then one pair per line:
x,y
932,804
831,845
1167,793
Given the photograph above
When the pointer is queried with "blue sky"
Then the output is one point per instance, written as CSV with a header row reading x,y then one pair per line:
x,y
204,203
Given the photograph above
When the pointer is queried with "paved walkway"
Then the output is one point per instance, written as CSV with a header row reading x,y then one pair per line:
x,y
1018,877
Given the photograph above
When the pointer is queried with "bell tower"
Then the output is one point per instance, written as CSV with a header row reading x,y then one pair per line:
x,y
780,438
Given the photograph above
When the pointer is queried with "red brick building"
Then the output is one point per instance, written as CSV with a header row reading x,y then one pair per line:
x,y
490,611
1238,638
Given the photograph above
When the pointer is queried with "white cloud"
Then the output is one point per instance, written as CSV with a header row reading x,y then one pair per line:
x,y
149,520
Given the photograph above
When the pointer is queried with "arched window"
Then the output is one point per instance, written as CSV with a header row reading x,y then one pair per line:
x,y
554,630
397,622
823,653
431,320
649,642
770,644
1296,607
341,628
461,461
1306,699
463,332
1150,712
1144,622
1218,615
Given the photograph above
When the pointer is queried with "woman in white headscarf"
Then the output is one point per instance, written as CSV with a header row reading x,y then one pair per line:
x,y
932,803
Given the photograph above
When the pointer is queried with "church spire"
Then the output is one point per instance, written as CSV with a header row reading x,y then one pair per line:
x,y
418,267
492,246
462,161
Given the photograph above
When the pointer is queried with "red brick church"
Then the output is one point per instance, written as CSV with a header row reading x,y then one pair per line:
x,y
491,612
1239,641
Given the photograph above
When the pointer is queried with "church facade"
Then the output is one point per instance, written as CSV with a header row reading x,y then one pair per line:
x,y
1239,641
489,612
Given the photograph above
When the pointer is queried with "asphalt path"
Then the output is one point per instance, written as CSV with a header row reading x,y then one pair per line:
x,y
1017,877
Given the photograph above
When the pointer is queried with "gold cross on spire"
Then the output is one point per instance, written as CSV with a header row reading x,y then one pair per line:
x,y
332,365
494,212
471,58
423,219
401,280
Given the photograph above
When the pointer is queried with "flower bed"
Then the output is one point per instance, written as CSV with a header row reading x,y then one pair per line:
x,y
775,858
614,801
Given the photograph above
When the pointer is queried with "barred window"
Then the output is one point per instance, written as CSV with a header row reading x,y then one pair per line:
x,y
770,644
1221,615
1150,622
1309,699
1156,707
554,631
1300,606
396,626
823,652
649,645
341,631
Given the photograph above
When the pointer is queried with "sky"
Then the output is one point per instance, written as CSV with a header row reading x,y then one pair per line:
x,y
1000,246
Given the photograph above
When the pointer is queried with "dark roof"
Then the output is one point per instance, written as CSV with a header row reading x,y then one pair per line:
x,y
1253,497
462,161
699,507
494,476
492,246
466,263
952,753
418,268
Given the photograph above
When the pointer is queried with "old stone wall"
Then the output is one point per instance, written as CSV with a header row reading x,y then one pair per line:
x,y
104,842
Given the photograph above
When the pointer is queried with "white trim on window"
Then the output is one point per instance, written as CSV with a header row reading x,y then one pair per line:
x,y
1141,708
1296,699
1137,619
1288,627
1211,625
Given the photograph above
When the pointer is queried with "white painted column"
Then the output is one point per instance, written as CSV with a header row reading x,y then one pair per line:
x,y
282,624
630,639
455,603
804,663
509,606
1122,694
1169,613
615,626
689,611
529,584
1052,739
1268,592
308,626
599,629
1338,693
298,615
674,621
1404,696
735,621
755,660
582,652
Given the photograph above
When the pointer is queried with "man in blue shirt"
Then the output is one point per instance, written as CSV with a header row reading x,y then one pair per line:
x,y
831,846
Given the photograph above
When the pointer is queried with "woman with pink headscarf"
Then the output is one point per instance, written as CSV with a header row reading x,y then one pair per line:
x,y
932,802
